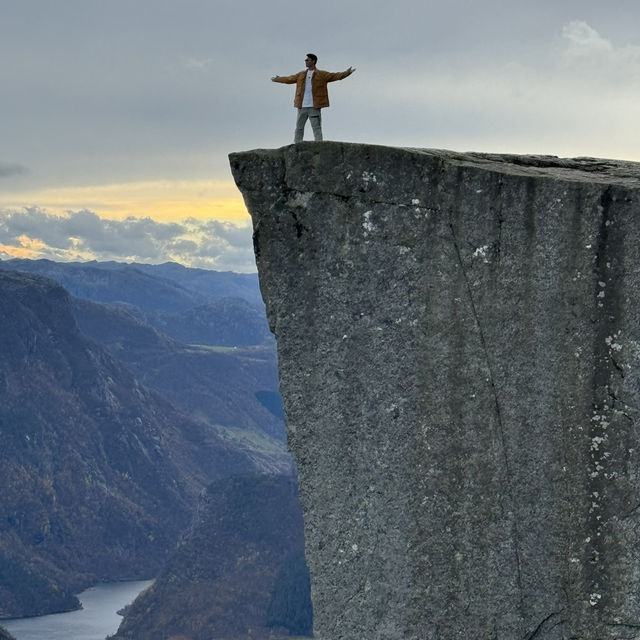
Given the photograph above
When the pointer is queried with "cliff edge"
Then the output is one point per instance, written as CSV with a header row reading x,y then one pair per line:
x,y
459,352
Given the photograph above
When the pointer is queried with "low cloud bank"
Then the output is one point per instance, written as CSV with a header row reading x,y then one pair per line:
x,y
8,169
83,235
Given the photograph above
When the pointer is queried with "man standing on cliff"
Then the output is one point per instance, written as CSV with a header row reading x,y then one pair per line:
x,y
311,94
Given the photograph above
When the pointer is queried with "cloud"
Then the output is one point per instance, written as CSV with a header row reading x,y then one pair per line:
x,y
199,64
8,169
581,102
598,60
584,40
83,235
146,91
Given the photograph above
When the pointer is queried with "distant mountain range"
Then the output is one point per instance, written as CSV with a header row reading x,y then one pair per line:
x,y
200,338
163,287
191,305
112,420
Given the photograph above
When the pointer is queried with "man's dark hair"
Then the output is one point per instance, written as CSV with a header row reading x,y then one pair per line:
x,y
313,56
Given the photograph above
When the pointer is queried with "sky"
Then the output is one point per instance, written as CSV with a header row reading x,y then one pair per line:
x,y
117,116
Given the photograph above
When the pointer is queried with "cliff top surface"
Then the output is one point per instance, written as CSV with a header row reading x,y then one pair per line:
x,y
580,169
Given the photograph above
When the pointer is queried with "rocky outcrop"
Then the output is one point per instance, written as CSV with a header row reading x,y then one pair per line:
x,y
239,571
5,635
459,353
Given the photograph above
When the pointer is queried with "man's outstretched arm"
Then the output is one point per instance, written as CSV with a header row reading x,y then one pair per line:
x,y
339,75
285,79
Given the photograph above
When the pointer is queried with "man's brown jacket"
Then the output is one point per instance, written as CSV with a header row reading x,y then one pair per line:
x,y
319,82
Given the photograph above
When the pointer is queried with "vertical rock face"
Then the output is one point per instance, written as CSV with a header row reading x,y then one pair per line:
x,y
459,352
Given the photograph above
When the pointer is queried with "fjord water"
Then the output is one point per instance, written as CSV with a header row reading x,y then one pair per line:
x,y
97,618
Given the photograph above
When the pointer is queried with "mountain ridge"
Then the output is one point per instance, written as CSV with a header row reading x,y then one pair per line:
x,y
99,474
238,572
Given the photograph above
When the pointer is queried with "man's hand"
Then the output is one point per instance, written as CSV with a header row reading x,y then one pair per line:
x,y
273,79
350,70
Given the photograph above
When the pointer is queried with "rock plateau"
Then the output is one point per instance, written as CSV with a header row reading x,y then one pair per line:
x,y
459,352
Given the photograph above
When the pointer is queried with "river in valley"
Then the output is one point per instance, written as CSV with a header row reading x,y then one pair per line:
x,y
97,618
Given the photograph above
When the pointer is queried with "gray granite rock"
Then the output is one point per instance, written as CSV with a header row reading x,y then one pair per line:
x,y
459,353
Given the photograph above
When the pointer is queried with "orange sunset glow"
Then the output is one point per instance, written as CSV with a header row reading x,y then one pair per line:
x,y
162,200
